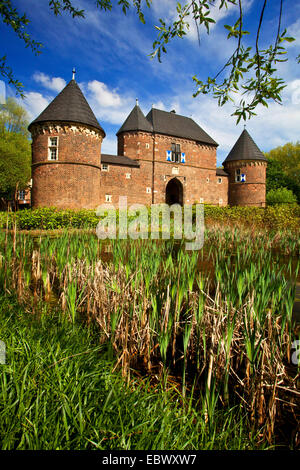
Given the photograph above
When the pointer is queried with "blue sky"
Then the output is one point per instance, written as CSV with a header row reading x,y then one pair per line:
x,y
111,54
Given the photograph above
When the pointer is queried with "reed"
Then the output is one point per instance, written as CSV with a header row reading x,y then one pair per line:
x,y
219,320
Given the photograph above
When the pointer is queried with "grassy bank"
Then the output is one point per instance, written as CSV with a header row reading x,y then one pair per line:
x,y
58,391
217,322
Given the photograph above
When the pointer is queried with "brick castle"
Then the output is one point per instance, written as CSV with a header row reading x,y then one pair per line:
x,y
162,157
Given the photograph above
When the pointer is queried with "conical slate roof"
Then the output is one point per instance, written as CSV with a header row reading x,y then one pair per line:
x,y
245,149
69,105
136,121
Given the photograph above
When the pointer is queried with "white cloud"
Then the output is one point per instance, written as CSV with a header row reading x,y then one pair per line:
x,y
295,91
159,105
294,31
167,11
54,84
103,96
273,126
35,103
107,104
109,145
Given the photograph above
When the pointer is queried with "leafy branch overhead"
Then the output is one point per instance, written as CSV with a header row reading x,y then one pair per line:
x,y
250,72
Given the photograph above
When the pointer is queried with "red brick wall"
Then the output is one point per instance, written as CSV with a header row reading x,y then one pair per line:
x,y
73,180
65,186
253,191
200,165
113,182
77,181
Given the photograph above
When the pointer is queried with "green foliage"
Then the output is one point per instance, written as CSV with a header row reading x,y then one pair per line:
x,y
283,217
50,218
222,315
252,71
13,118
283,168
58,392
288,156
15,151
277,178
18,23
53,218
281,196
12,18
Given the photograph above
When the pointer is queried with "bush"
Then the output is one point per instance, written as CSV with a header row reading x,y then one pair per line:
x,y
47,218
281,196
282,216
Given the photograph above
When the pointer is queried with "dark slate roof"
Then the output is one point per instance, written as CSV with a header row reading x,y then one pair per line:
x,y
173,124
69,105
221,172
118,160
245,149
136,121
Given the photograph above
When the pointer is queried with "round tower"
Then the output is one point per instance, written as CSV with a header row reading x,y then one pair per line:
x,y
135,136
66,153
246,166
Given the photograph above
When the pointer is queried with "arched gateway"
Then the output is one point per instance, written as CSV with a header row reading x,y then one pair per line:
x,y
174,192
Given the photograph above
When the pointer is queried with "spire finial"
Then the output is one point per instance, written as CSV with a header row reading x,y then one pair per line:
x,y
73,71
244,126
137,101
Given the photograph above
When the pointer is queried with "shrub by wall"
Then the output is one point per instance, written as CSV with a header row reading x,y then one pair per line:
x,y
282,216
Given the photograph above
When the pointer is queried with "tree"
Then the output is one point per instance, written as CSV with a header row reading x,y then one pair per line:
x,y
277,178
283,168
289,158
281,196
15,153
250,70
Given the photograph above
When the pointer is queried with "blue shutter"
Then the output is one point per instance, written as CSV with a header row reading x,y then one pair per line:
x,y
183,158
243,178
169,155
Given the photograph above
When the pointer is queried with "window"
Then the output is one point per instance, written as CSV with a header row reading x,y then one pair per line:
x,y
128,176
108,198
104,167
148,190
219,180
239,177
53,148
176,153
147,146
22,195
220,201
207,180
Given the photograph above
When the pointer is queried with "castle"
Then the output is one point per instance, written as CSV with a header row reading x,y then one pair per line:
x,y
162,157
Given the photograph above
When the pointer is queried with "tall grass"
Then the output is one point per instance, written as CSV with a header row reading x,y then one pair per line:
x,y
58,391
218,322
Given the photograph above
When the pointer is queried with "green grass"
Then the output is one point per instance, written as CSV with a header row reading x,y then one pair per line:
x,y
58,391
218,322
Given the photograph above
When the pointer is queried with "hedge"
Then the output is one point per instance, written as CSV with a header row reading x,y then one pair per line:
x,y
275,217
